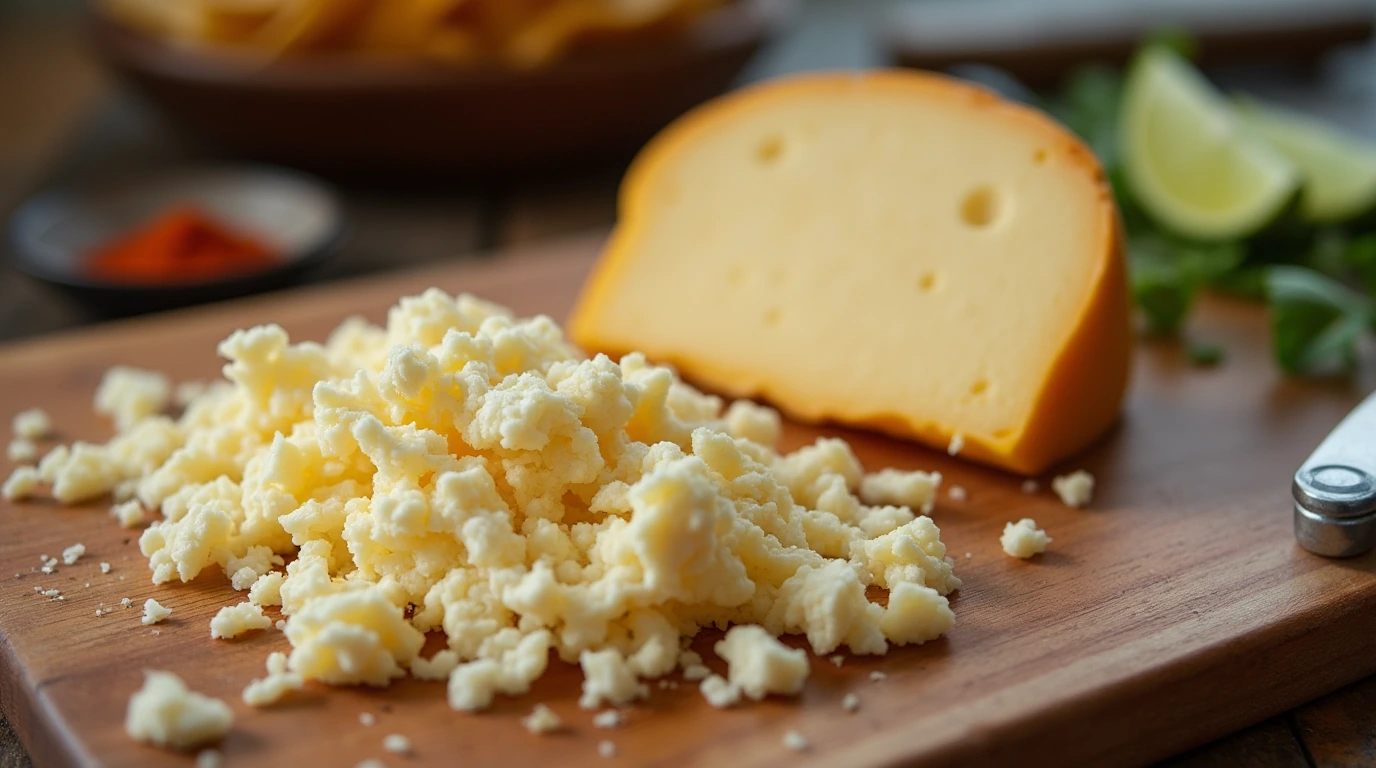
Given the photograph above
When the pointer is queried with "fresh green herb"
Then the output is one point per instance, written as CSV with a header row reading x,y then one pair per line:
x,y
1204,354
1316,321
1167,273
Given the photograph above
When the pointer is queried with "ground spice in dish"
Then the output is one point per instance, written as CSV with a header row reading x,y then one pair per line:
x,y
181,245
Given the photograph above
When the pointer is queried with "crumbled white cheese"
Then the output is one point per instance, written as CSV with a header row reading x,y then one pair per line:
x,y
606,748
267,590
371,762
234,620
838,659
758,664
608,677
877,676
542,720
958,493
396,744
49,566
209,758
367,718
128,395
957,444
126,602
166,713
154,612
610,718
32,424
269,690
696,672
187,392
915,490
104,567
22,482
719,692
437,667
1075,489
754,422
73,553
129,513
796,741
1024,539
1030,486
22,451
851,703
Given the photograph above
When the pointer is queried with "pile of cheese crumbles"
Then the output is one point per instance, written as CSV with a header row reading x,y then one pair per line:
x,y
466,471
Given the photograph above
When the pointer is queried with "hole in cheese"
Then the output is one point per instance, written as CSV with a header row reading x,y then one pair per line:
x,y
926,282
770,150
979,387
1040,157
980,207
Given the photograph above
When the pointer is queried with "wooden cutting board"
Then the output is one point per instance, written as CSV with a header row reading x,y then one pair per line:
x,y
1174,610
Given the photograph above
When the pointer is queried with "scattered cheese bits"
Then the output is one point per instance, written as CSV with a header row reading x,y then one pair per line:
x,y
610,718
32,424
877,676
367,718
916,614
371,762
396,744
796,741
104,567
209,758
915,490
129,513
22,451
154,612
73,553
522,498
22,482
1030,486
838,660
1024,539
759,664
164,712
279,681
542,720
128,395
958,493
437,667
606,749
234,620
126,602
719,693
956,445
851,703
1075,489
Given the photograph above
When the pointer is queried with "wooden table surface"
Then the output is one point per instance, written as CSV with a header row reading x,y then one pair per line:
x,y
63,118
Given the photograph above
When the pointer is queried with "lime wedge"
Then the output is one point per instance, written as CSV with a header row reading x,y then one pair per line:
x,y
1188,161
1339,172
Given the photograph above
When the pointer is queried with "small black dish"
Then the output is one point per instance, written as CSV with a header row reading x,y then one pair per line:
x,y
53,233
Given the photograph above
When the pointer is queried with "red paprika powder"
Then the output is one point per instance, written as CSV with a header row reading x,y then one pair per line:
x,y
180,245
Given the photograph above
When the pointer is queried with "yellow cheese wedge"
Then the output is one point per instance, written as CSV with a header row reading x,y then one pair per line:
x,y
893,250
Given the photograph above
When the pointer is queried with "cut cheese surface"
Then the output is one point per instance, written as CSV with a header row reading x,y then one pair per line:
x,y
894,250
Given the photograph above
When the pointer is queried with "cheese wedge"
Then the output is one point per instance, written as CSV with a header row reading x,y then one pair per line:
x,y
893,250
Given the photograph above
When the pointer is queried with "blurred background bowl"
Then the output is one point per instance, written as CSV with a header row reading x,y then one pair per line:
x,y
337,112
53,234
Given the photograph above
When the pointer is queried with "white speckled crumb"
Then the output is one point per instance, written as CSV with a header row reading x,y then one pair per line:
x,y
606,749
130,514
21,450
154,612
104,567
73,553
1024,539
371,762
719,693
166,713
436,667
265,691
1075,489
914,490
838,659
209,758
23,481
850,703
126,602
234,620
610,718
876,676
796,741
397,744
958,493
957,444
32,424
542,720
367,718
1030,486
696,672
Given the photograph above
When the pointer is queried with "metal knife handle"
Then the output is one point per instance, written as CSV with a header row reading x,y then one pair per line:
x,y
1335,488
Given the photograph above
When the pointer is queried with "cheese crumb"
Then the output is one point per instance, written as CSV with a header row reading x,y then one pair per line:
x,y
49,566
542,720
1030,486
32,424
838,659
606,748
104,567
367,718
129,513
850,703
371,762
696,672
915,490
958,493
153,612
877,676
396,744
1024,539
608,677
757,423
234,620
796,741
758,664
267,589
269,690
957,444
719,693
437,667
73,553
128,395
22,482
209,758
166,713
608,719
22,451
126,602
1075,489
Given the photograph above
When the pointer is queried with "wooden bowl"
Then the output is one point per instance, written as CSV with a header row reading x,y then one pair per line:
x,y
339,113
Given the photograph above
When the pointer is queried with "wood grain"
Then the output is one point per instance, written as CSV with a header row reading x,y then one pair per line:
x,y
1340,729
1175,610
